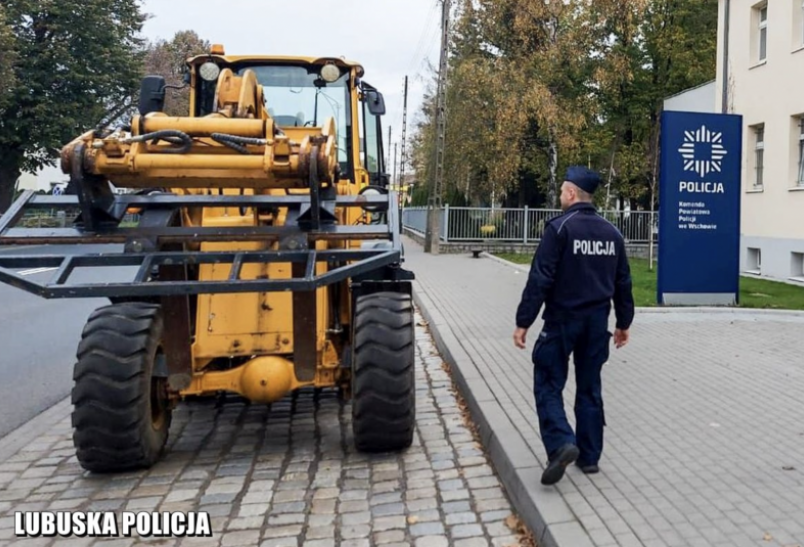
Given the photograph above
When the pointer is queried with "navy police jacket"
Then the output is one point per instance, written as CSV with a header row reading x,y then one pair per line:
x,y
579,267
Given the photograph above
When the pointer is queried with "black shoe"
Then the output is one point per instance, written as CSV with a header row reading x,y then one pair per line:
x,y
561,459
588,469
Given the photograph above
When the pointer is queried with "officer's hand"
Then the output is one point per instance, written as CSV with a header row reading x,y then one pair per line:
x,y
620,337
519,337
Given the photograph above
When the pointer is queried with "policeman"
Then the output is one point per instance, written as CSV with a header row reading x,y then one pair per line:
x,y
579,268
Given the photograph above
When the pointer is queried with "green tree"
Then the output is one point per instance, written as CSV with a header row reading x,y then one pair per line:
x,y
79,65
167,59
7,59
535,86
516,96
655,49
422,139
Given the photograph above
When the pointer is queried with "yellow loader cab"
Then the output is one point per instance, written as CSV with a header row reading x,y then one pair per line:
x,y
266,256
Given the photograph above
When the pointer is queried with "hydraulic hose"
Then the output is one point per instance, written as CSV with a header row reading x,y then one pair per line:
x,y
235,142
178,138
184,142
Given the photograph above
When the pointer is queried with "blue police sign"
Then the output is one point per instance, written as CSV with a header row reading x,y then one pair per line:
x,y
699,209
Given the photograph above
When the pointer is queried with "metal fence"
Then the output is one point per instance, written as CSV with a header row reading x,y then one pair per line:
x,y
47,218
51,218
519,225
415,218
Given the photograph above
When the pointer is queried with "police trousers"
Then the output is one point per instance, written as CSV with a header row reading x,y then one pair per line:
x,y
588,340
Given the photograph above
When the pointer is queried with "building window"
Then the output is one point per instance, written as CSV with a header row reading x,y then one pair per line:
x,y
797,266
763,32
800,146
754,262
759,156
797,21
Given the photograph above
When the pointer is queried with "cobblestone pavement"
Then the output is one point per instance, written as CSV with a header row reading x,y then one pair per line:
x,y
285,475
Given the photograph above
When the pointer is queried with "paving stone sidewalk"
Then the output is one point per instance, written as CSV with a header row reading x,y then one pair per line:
x,y
705,413
284,476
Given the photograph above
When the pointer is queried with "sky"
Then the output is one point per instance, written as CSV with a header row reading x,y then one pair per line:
x,y
390,38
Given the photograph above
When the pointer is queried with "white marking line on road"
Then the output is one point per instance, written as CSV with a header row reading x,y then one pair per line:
x,y
36,271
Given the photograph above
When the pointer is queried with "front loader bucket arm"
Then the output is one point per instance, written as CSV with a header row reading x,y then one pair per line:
x,y
384,257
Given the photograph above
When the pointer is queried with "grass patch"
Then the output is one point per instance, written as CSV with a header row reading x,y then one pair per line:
x,y
754,293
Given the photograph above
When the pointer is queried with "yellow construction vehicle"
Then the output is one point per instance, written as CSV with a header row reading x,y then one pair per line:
x,y
265,257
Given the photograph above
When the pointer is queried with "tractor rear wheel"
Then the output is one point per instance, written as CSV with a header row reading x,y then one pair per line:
x,y
383,373
122,411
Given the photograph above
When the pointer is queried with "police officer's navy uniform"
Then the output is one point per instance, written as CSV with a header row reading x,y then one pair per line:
x,y
578,269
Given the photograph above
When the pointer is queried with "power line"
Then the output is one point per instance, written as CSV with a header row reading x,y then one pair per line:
x,y
428,33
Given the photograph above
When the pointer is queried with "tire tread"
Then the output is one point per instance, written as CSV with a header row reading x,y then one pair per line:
x,y
384,391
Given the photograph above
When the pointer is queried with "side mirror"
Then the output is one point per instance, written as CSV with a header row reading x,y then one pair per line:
x,y
380,180
152,95
376,103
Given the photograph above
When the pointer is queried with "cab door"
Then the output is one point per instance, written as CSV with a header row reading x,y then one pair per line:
x,y
371,145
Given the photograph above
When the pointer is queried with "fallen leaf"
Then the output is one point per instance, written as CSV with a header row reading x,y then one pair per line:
x,y
789,468
413,519
768,537
512,522
423,323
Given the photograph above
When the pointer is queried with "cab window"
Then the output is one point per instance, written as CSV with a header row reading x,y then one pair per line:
x,y
371,145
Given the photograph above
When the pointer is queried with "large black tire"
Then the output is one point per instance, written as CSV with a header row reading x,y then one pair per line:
x,y
121,410
383,378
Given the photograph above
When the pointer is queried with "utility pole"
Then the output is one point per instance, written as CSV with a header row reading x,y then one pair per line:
x,y
394,179
404,132
431,239
388,159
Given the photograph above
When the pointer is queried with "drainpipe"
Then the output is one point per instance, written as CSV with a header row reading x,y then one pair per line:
x,y
725,105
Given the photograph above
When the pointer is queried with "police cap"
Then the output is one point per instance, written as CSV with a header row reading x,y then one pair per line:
x,y
583,178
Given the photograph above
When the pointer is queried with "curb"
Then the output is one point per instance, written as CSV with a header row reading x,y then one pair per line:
x,y
723,311
543,509
520,267
672,309
33,428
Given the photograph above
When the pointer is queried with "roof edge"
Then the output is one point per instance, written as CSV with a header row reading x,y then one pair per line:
x,y
682,92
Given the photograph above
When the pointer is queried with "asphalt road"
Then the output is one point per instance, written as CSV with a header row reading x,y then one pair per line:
x,y
38,340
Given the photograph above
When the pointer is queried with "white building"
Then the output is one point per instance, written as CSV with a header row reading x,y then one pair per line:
x,y
697,99
763,47
44,179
